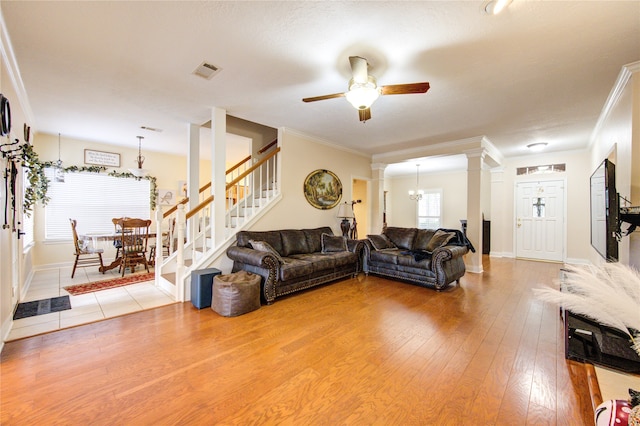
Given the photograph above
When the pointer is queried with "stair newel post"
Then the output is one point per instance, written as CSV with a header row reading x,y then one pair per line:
x,y
180,225
158,252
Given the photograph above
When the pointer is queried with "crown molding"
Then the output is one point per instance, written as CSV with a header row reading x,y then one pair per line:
x,y
618,88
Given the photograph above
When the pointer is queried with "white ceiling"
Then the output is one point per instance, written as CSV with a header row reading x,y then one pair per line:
x,y
541,71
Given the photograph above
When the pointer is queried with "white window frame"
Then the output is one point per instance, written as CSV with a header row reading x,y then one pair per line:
x,y
92,199
429,221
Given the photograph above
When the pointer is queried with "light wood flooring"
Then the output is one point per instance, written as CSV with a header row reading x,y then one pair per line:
x,y
364,351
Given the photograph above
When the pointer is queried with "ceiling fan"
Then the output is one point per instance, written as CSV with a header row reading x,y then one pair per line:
x,y
363,89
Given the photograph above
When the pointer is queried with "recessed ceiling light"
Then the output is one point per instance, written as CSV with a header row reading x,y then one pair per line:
x,y
494,7
538,146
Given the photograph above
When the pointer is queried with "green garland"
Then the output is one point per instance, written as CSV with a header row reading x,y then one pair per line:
x,y
39,184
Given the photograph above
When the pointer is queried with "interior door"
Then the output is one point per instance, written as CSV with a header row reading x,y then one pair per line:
x,y
540,220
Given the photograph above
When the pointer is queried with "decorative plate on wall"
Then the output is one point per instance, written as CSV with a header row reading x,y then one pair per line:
x,y
322,189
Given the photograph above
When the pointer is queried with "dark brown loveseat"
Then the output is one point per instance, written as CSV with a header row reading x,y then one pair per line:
x,y
295,259
427,257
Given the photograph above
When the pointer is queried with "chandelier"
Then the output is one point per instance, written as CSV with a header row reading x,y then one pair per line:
x,y
139,172
417,194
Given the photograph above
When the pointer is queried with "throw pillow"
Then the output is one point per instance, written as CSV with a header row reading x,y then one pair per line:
x,y
380,242
265,246
333,243
439,239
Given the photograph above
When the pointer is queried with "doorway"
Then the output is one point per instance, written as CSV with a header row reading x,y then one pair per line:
x,y
540,224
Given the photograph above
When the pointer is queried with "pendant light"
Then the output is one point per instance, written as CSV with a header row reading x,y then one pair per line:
x,y
139,172
58,173
417,194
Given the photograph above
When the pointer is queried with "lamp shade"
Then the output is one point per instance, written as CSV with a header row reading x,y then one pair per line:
x,y
345,211
362,95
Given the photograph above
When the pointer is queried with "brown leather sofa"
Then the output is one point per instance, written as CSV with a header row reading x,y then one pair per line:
x,y
295,259
426,257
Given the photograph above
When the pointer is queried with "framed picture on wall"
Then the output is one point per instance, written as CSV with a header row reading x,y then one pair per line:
x,y
322,189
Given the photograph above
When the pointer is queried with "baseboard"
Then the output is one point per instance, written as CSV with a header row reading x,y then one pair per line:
x,y
506,254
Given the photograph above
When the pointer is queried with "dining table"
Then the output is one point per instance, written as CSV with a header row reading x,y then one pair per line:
x,y
107,236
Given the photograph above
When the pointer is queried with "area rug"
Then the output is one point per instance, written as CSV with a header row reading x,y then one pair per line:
x,y
41,307
75,290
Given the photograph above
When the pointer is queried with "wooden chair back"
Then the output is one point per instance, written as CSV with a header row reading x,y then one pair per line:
x,y
85,256
134,234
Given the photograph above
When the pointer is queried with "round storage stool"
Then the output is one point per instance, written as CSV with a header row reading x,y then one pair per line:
x,y
235,294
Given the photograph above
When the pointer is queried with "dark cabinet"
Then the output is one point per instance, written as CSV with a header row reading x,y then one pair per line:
x,y
486,234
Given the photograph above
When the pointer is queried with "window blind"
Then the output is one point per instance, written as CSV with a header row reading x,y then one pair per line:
x,y
92,199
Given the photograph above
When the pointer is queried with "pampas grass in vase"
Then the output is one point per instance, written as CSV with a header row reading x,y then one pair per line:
x,y
608,294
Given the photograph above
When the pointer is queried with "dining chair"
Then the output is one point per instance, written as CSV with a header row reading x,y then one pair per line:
x,y
117,243
134,234
85,256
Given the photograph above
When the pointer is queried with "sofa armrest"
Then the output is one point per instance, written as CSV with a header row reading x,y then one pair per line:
x,y
354,246
446,253
251,256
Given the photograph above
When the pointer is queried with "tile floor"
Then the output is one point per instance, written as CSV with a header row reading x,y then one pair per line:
x,y
88,307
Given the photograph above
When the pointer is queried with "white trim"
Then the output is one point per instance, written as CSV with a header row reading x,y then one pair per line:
x,y
614,96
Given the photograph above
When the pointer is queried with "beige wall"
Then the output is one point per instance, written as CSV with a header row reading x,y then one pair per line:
x,y
168,170
618,139
302,155
402,211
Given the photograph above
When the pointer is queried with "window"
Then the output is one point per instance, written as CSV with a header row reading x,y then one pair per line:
x,y
93,199
430,209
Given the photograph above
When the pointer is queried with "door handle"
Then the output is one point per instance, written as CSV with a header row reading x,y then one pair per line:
x,y
519,222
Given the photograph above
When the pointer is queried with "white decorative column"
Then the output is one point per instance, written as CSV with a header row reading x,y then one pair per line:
x,y
218,172
475,159
377,199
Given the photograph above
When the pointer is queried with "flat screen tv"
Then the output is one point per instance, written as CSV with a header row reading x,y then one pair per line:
x,y
604,211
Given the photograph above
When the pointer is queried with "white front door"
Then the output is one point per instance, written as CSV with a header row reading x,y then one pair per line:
x,y
540,220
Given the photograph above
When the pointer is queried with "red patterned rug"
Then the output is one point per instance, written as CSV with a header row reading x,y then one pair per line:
x,y
75,290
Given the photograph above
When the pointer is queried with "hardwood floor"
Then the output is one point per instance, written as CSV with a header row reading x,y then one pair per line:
x,y
360,351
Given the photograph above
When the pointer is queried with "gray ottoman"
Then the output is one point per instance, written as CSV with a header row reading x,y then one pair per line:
x,y
235,294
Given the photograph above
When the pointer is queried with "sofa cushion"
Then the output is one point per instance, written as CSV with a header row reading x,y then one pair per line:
x,y
380,242
440,238
295,268
314,238
385,256
333,243
271,237
294,241
265,246
401,237
423,236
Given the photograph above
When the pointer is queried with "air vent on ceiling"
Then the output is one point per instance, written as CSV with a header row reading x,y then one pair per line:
x,y
151,129
206,70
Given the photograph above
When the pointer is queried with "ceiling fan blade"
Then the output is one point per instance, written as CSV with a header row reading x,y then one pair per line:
x,y
404,89
365,114
359,69
322,98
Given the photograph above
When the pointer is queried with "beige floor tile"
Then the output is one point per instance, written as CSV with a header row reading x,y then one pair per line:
x,y
32,330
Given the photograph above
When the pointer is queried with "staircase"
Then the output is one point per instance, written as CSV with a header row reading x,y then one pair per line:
x,y
251,190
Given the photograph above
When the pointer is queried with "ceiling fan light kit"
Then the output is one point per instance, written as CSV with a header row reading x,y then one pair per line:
x,y
363,89
362,95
